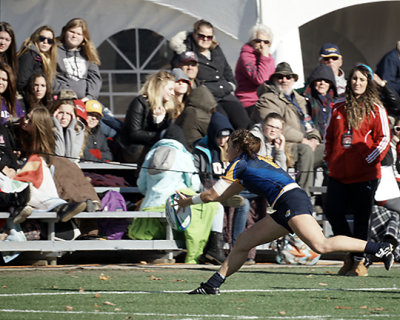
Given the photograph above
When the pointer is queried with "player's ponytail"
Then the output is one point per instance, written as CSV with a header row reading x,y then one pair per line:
x,y
246,141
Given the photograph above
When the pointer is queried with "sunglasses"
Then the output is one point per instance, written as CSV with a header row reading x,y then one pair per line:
x,y
260,40
396,128
43,38
204,37
334,58
287,76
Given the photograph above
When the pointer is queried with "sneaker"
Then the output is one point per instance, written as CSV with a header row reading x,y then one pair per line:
x,y
67,211
358,269
249,262
21,213
205,289
385,254
347,266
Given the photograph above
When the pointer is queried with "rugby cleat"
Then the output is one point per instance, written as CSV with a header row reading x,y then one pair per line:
x,y
205,289
385,254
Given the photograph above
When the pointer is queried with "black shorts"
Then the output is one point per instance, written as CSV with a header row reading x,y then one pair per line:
x,y
292,203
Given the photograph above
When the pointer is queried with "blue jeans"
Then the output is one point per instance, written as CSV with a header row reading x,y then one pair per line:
x,y
241,214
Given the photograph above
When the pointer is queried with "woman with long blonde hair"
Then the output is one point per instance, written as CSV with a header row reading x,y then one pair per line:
x,y
38,53
78,61
147,116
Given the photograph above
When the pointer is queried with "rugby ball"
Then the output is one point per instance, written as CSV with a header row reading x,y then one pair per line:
x,y
178,219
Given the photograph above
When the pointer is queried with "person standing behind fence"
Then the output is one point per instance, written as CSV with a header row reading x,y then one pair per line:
x,y
78,61
357,139
38,53
255,65
214,70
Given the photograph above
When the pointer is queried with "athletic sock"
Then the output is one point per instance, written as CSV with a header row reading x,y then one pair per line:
x,y
216,280
372,247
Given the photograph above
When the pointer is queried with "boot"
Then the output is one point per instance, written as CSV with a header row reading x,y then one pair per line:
x,y
358,269
215,252
347,266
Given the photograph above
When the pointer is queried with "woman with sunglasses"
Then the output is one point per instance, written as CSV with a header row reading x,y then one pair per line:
x,y
8,48
214,70
357,140
78,61
255,65
38,53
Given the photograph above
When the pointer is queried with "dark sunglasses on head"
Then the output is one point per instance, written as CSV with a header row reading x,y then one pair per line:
x,y
204,37
287,76
330,58
396,128
260,40
49,40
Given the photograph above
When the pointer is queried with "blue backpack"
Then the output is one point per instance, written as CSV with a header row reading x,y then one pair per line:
x,y
112,229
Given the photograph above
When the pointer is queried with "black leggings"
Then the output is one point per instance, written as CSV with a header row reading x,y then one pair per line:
x,y
355,199
232,108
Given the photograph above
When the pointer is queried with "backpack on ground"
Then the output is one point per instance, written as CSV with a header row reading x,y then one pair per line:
x,y
110,228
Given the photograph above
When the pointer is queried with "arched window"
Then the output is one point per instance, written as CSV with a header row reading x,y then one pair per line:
x,y
127,58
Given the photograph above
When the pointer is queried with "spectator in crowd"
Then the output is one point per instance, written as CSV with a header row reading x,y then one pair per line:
x,y
38,53
8,47
388,68
200,103
15,201
168,167
304,141
182,90
330,55
37,142
270,132
69,180
395,146
78,61
96,147
255,65
37,92
69,130
10,107
147,116
214,70
357,139
389,97
211,161
321,95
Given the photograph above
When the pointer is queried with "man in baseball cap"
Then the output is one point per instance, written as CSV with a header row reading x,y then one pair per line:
x,y
330,55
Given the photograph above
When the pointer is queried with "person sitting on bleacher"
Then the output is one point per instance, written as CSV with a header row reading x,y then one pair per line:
x,y
272,140
37,149
199,104
168,167
69,129
278,95
147,116
96,147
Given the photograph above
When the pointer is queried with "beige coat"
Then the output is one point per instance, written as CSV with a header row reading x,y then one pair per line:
x,y
271,100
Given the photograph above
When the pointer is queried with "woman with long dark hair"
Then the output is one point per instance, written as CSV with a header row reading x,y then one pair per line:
x,y
357,140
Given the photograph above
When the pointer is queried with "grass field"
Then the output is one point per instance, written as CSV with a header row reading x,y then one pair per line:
x,y
156,292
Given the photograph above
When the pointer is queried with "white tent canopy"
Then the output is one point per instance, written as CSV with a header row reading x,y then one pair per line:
x,y
232,19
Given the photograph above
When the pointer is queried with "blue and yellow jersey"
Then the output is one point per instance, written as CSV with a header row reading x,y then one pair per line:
x,y
260,176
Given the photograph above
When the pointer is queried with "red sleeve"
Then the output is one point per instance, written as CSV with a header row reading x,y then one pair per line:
x,y
381,137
